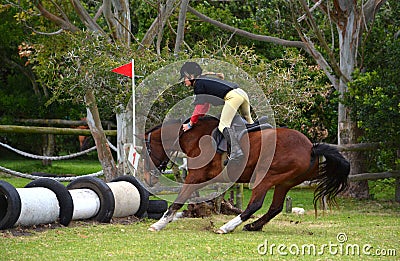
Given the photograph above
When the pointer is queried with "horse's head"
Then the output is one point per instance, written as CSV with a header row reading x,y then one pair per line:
x,y
163,141
159,143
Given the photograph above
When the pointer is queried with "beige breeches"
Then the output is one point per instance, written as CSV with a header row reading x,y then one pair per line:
x,y
235,100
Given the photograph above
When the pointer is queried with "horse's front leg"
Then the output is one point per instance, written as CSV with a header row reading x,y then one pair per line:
x,y
166,218
184,194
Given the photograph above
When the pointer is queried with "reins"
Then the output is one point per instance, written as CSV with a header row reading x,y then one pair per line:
x,y
163,162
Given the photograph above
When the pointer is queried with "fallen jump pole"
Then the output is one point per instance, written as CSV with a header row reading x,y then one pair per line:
x,y
123,196
46,200
41,201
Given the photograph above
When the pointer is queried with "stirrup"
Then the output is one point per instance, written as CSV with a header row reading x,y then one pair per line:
x,y
235,159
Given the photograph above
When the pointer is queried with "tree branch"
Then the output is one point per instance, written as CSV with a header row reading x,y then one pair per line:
x,y
26,71
158,22
64,24
85,17
263,38
320,37
173,31
306,44
301,18
129,31
59,31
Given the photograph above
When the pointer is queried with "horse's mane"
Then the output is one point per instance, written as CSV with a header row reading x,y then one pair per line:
x,y
174,121
171,121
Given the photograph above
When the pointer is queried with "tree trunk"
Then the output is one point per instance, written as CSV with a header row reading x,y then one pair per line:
x,y
103,149
48,148
164,13
124,138
118,22
180,32
348,133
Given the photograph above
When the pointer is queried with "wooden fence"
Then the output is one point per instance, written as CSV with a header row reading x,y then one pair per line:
x,y
373,176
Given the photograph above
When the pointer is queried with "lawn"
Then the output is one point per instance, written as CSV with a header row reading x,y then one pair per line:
x,y
367,229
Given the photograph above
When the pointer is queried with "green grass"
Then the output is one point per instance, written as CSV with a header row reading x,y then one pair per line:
x,y
370,224
193,239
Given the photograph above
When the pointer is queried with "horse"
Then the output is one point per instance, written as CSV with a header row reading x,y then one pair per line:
x,y
82,139
284,159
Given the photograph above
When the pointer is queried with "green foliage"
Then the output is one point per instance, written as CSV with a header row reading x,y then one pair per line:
x,y
68,64
15,89
298,93
261,17
382,189
376,107
71,64
19,99
301,96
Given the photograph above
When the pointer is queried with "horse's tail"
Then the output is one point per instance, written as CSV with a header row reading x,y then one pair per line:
x,y
333,173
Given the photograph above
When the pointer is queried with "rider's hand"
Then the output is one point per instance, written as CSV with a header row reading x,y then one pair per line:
x,y
186,126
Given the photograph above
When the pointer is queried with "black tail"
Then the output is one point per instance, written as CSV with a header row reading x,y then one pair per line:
x,y
333,173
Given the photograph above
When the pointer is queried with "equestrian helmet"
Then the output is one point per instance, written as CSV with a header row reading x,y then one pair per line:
x,y
191,68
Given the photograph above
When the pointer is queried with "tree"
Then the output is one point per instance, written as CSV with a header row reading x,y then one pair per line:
x,y
117,18
374,92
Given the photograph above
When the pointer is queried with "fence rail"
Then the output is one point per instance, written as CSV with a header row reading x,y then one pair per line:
x,y
374,176
50,130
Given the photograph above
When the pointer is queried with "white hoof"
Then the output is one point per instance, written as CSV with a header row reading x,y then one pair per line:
x,y
178,216
220,231
230,226
152,229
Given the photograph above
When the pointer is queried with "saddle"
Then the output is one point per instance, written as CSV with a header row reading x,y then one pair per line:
x,y
241,127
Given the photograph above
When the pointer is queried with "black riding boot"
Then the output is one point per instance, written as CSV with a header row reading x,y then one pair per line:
x,y
234,151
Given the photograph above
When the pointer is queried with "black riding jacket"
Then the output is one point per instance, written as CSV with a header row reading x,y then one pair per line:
x,y
211,90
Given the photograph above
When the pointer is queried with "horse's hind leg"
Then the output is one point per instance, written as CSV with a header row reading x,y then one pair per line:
x,y
275,208
256,202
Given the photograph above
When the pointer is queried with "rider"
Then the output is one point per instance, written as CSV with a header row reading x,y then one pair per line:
x,y
227,93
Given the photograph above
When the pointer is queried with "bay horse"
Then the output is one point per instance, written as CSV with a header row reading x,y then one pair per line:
x,y
285,159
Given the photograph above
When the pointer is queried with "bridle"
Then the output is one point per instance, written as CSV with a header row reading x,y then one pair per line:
x,y
163,163
148,154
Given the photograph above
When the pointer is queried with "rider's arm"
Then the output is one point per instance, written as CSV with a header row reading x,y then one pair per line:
x,y
199,110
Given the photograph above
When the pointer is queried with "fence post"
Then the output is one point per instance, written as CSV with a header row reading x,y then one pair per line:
x,y
239,196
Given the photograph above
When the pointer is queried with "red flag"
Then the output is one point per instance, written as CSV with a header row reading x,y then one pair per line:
x,y
125,69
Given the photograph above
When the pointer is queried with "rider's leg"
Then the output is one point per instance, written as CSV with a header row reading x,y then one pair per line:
x,y
233,101
245,107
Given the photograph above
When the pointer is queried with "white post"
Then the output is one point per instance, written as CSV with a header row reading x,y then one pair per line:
x,y
133,103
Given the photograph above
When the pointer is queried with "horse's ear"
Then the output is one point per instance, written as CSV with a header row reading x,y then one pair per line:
x,y
140,138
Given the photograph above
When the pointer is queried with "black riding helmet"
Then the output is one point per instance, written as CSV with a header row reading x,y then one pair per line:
x,y
191,68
